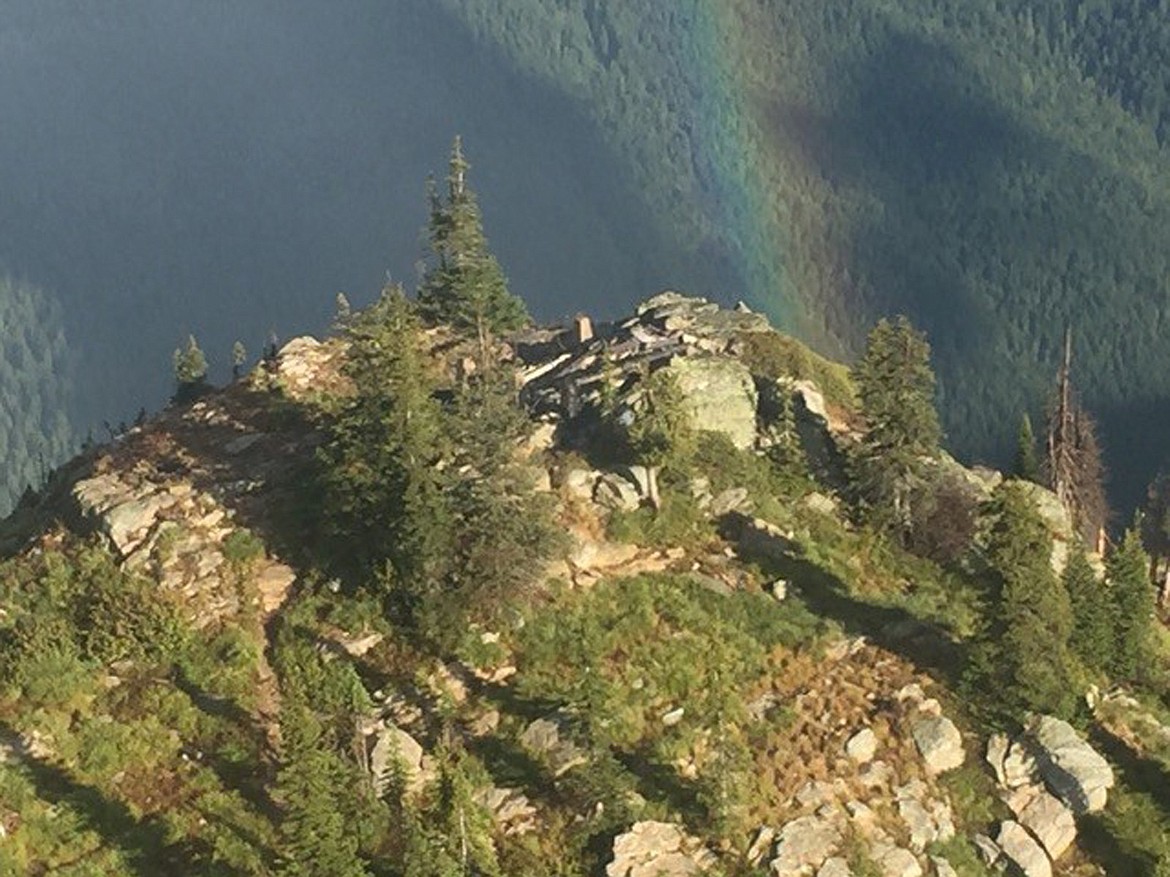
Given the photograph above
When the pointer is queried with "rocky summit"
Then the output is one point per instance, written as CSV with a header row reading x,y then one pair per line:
x,y
697,655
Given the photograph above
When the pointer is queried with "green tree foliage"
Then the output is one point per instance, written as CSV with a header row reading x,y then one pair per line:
x,y
190,366
661,433
1092,607
895,386
384,492
1155,526
1026,465
1126,570
996,170
239,359
430,500
36,389
464,284
452,835
1023,656
313,786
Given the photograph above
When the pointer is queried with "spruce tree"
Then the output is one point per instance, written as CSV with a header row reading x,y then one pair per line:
x,y
190,371
1026,465
311,786
1133,605
464,284
1092,639
1023,652
384,492
1156,532
503,530
895,385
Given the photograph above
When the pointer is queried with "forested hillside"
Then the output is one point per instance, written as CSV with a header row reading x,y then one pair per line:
x,y
36,372
995,169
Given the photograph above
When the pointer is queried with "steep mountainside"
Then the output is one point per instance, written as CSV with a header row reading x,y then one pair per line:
x,y
995,170
729,676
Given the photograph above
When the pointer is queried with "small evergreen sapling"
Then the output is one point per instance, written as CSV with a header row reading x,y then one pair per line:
x,y
190,366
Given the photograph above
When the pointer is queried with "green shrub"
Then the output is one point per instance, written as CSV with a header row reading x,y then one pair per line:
x,y
242,548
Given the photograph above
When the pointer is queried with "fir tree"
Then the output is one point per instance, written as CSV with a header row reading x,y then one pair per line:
x,y
502,529
1026,465
1023,655
1133,605
1092,639
384,491
311,785
190,372
464,284
895,385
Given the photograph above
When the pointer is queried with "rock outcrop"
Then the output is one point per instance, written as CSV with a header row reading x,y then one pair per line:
x,y
658,849
1074,771
939,742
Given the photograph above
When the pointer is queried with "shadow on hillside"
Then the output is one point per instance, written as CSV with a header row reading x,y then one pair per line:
x,y
1141,775
927,645
143,843
270,486
245,778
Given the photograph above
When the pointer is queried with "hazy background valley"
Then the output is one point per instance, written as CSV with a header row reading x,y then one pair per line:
x,y
997,170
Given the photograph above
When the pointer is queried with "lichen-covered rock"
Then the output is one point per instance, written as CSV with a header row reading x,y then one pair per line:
x,y
1023,850
939,743
720,396
1075,772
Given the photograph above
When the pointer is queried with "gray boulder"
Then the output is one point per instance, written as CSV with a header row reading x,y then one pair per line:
x,y
939,743
805,843
1050,822
617,493
548,738
721,396
657,849
1023,850
835,867
1075,772
390,744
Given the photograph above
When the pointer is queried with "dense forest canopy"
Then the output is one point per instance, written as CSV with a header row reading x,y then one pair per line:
x,y
997,170
35,373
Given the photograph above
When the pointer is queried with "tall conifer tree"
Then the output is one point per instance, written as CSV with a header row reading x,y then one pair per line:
x,y
385,495
1133,605
464,284
1023,653
1093,637
895,384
